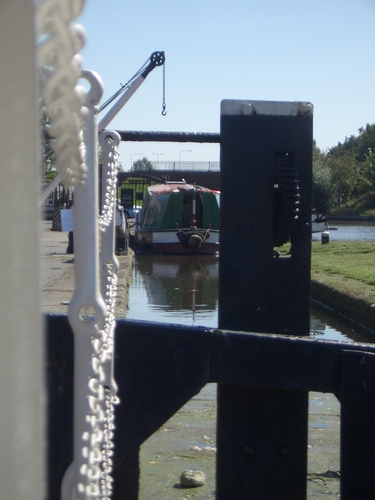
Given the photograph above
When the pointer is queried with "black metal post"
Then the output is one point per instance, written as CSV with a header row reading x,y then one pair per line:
x,y
266,154
357,449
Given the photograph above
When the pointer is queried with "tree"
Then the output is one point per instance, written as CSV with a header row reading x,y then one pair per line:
x,y
369,167
322,181
365,142
358,145
346,176
143,164
48,155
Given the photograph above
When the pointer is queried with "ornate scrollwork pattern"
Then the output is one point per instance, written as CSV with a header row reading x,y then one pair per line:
x,y
57,50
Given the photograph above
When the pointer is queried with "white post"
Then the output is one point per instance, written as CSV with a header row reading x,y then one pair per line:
x,y
22,408
86,295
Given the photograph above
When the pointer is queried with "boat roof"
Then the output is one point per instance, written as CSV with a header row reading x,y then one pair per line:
x,y
175,186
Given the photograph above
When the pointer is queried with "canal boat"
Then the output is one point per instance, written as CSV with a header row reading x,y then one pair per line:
x,y
178,218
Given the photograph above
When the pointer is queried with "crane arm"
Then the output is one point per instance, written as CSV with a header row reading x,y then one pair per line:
x,y
127,90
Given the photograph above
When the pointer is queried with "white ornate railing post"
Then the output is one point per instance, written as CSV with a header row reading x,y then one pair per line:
x,y
63,97
74,127
87,311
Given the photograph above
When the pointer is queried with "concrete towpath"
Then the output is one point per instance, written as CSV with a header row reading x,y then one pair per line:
x,y
57,273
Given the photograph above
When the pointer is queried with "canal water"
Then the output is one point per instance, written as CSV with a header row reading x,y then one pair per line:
x,y
350,231
184,290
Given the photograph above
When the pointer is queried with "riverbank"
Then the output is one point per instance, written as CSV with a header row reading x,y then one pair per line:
x,y
350,218
348,306
343,279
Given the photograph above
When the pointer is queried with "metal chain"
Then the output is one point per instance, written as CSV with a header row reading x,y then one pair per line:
x,y
107,334
107,211
110,399
98,449
164,105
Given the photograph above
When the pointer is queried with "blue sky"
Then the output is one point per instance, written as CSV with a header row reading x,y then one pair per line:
x,y
321,51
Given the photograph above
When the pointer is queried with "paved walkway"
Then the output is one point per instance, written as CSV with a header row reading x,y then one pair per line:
x,y
57,272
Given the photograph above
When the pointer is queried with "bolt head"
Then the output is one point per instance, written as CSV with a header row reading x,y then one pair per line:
x,y
247,109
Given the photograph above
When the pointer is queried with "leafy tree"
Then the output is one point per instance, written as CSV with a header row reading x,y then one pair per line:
x,y
143,164
322,181
365,142
365,201
369,167
358,145
48,156
346,176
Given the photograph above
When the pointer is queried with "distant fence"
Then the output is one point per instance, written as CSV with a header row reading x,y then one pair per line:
x,y
205,166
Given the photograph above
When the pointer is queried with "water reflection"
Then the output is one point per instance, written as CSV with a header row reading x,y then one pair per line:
x,y
175,289
184,290
325,325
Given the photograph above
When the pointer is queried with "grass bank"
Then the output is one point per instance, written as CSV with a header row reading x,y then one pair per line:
x,y
343,278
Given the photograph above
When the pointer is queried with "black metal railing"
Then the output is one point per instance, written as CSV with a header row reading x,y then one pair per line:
x,y
160,367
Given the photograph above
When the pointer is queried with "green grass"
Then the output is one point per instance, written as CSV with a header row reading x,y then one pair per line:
x,y
348,266
348,259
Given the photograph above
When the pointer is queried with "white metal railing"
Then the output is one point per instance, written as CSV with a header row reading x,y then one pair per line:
x,y
74,126
73,114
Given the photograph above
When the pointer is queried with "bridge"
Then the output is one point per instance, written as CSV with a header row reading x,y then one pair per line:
x,y
203,173
206,178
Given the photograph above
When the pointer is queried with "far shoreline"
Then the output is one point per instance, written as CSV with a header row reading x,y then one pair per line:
x,y
351,218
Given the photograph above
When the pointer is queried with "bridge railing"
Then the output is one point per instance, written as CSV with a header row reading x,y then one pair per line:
x,y
201,166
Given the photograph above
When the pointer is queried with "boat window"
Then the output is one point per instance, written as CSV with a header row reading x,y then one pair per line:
x,y
154,210
211,205
145,207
